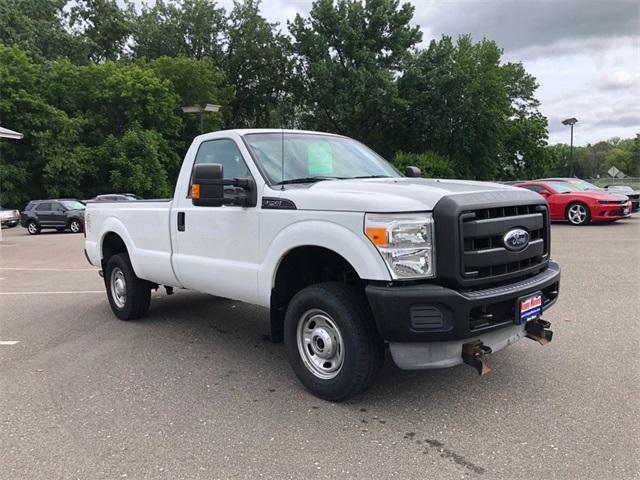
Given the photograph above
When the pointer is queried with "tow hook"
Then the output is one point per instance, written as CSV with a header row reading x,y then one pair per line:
x,y
537,330
473,354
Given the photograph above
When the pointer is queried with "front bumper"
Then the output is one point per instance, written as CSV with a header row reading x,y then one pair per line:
x,y
10,222
610,212
432,313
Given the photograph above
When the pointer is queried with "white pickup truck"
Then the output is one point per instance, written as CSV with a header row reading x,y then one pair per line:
x,y
349,255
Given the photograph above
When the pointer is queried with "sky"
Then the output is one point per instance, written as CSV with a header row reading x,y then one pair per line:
x,y
585,54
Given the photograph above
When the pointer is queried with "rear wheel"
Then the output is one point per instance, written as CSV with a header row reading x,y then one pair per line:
x,y
33,228
332,343
75,226
129,296
578,214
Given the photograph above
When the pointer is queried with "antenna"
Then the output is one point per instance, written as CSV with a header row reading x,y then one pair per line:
x,y
282,157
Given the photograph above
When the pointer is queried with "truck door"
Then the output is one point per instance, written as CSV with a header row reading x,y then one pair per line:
x,y
216,248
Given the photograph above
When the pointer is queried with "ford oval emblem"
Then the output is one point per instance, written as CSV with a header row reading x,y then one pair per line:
x,y
516,239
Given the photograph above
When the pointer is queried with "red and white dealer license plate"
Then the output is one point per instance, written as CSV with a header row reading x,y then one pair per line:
x,y
530,307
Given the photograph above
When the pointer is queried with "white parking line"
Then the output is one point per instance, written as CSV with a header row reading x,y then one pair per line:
x,y
52,293
8,342
20,269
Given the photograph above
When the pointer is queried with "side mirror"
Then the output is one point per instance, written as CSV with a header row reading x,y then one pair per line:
x,y
544,193
207,188
412,172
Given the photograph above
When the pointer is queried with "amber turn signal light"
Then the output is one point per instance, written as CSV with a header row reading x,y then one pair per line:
x,y
377,235
195,190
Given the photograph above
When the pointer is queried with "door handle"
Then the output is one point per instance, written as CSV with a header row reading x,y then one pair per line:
x,y
181,221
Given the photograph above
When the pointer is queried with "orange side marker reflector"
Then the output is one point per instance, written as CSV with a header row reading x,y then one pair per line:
x,y
195,190
377,235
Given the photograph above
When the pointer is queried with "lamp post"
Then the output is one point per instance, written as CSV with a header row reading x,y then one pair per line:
x,y
570,121
209,107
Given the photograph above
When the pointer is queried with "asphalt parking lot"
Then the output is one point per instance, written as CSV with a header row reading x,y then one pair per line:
x,y
194,390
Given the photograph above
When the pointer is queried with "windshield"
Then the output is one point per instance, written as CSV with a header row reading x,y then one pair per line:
x,y
582,185
563,187
309,158
620,188
72,204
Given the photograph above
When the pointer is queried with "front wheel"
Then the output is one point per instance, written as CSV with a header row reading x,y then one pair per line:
x,y
578,214
332,343
129,296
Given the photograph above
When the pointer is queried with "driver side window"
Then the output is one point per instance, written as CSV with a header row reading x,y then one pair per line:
x,y
226,153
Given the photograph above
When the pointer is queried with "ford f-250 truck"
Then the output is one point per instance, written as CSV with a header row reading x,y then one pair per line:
x,y
349,255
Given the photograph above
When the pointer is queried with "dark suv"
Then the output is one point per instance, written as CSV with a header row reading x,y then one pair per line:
x,y
60,214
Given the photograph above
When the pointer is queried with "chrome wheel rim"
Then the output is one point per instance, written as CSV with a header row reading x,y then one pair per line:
x,y
320,344
32,228
118,287
577,214
75,226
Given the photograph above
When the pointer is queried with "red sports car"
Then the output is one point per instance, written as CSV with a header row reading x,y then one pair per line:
x,y
579,207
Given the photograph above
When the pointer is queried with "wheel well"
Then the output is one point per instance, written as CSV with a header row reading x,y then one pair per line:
x,y
300,268
112,245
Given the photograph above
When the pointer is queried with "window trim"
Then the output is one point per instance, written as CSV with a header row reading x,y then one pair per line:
x,y
195,160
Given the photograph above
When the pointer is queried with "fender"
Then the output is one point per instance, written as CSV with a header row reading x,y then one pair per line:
x,y
357,250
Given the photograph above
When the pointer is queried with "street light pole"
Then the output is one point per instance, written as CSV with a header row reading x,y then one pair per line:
x,y
571,122
200,109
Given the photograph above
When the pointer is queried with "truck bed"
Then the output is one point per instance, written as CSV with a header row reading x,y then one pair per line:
x,y
144,227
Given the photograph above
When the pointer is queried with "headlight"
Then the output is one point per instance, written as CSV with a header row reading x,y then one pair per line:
x,y
405,242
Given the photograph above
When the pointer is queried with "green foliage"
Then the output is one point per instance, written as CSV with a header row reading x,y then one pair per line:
x,y
258,67
40,27
348,53
97,87
193,28
461,102
431,164
136,163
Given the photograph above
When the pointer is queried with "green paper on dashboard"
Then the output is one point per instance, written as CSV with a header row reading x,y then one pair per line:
x,y
320,159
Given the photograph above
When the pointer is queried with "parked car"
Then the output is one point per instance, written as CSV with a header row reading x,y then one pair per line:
x,y
579,207
9,218
632,194
59,214
347,253
115,197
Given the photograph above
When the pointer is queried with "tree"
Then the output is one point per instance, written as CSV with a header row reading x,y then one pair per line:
x,y
347,56
137,163
462,103
40,27
258,67
196,82
50,135
193,28
431,164
103,26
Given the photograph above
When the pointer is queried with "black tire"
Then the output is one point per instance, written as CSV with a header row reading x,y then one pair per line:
x,y
75,225
33,228
578,213
363,349
137,296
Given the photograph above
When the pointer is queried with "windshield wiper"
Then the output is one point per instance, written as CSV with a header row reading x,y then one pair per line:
x,y
371,176
306,180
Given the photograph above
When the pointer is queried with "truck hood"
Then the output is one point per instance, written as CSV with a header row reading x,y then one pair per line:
x,y
388,194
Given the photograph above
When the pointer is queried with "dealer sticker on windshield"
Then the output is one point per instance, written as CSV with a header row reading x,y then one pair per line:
x,y
530,307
